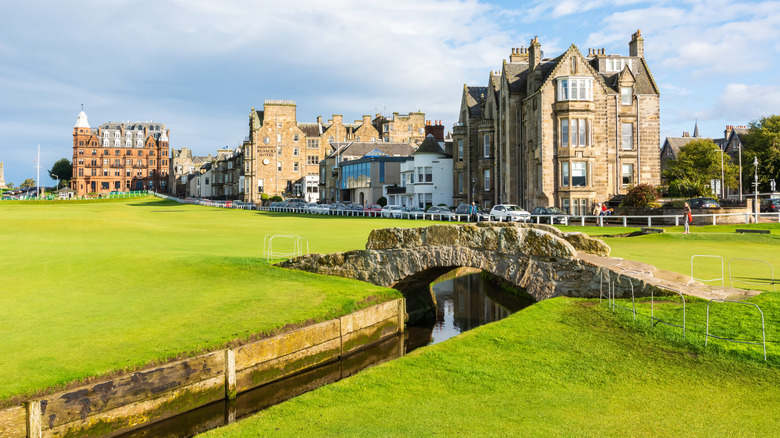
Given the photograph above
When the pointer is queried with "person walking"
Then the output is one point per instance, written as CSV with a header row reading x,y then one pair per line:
x,y
597,213
473,212
688,218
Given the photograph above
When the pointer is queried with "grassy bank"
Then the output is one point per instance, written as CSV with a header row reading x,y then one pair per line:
x,y
94,287
562,367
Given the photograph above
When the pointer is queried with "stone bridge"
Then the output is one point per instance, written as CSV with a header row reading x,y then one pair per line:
x,y
543,260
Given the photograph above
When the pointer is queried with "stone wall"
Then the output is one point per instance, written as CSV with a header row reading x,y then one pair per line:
x,y
134,400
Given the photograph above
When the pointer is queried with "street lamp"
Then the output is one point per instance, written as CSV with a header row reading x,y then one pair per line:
x,y
473,189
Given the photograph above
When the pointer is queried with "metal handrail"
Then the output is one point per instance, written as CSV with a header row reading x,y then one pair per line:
x,y
652,310
619,279
771,272
763,327
711,279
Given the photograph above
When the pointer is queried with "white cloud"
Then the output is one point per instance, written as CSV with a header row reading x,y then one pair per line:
x,y
742,103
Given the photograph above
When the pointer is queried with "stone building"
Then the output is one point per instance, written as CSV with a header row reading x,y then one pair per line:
x,y
401,128
119,156
568,131
183,164
2,176
426,179
281,155
337,183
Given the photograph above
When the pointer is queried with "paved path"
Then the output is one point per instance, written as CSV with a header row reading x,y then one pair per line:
x,y
666,279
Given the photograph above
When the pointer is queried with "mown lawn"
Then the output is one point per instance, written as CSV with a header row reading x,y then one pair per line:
x,y
562,367
93,287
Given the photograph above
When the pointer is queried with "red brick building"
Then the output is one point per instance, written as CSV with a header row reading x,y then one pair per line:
x,y
119,157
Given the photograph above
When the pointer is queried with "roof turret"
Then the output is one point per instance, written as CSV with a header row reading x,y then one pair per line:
x,y
82,122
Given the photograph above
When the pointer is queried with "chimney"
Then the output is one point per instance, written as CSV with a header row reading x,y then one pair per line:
x,y
436,129
728,130
338,119
534,54
319,120
519,55
637,45
366,120
686,134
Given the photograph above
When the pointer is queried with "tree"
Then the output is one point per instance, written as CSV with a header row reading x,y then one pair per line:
x,y
763,141
29,182
642,195
696,165
62,170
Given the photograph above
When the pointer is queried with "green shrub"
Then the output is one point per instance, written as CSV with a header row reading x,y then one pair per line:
x,y
276,198
382,201
677,203
642,195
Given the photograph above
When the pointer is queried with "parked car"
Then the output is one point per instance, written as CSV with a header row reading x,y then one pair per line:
x,y
550,215
767,205
355,207
483,214
337,206
320,209
391,211
440,211
309,207
372,210
703,203
413,212
509,212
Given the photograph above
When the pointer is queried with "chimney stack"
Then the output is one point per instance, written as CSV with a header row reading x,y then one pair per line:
x,y
637,45
519,55
534,54
436,129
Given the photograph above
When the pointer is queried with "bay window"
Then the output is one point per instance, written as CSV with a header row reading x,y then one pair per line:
x,y
572,88
579,174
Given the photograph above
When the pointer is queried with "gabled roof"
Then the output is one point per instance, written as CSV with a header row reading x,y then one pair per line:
x,y
474,98
516,76
429,146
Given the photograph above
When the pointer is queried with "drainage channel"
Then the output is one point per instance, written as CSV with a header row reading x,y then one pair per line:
x,y
463,303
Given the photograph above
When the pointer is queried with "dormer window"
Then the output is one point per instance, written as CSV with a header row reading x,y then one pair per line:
x,y
571,88
617,64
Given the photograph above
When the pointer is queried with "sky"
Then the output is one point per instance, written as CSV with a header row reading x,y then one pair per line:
x,y
200,66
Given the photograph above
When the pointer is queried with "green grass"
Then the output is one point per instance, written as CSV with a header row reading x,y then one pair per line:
x,y
558,368
93,287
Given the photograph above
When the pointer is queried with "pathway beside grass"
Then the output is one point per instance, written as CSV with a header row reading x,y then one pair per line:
x,y
562,367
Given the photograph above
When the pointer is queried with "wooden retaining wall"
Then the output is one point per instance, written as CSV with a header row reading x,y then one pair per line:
x,y
130,401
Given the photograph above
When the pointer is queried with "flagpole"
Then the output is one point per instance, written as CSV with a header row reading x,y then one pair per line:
x,y
38,175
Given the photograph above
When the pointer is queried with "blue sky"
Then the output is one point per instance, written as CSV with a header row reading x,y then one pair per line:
x,y
200,66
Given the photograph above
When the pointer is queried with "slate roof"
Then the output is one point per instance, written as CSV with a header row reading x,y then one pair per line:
x,y
310,129
359,149
516,76
429,146
474,97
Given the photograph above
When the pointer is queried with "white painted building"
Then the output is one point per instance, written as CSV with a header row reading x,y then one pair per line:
x,y
426,179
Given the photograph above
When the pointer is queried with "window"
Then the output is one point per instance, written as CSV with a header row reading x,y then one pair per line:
x,y
116,152
626,95
565,132
312,143
575,89
81,172
94,152
486,174
279,151
312,160
279,167
295,166
565,205
628,131
579,174
81,151
579,207
94,172
105,161
295,152
460,150
460,182
296,138
628,174
617,64
565,174
486,145
81,161
575,132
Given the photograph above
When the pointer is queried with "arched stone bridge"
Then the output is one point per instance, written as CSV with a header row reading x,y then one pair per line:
x,y
539,258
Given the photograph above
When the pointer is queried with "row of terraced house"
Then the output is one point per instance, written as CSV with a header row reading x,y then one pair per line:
x,y
567,131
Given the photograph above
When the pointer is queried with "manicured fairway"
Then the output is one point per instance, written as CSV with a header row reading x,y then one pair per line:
x,y
562,367
90,288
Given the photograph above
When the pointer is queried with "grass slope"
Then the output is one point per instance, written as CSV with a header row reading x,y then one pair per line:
x,y
91,288
558,368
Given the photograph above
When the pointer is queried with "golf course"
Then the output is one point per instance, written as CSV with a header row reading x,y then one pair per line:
x,y
94,288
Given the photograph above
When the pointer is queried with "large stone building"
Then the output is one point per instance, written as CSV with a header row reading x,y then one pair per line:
x,y
568,131
183,164
119,156
281,155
